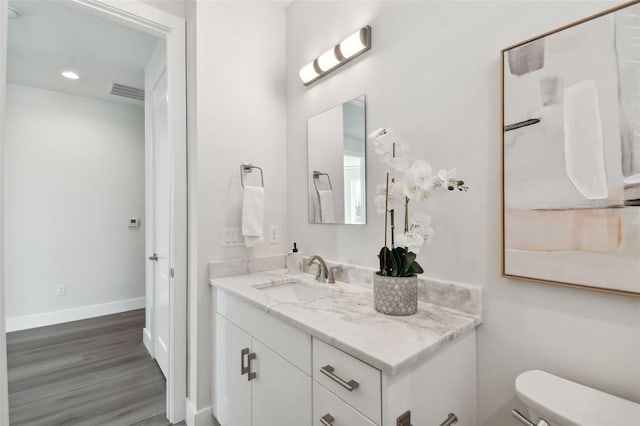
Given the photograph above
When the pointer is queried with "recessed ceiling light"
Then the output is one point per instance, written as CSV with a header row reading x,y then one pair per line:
x,y
70,75
13,12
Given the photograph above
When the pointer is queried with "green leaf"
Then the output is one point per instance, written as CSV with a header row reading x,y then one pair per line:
x,y
415,269
394,263
399,253
409,259
381,256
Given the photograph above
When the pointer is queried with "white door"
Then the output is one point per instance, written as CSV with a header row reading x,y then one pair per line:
x,y
280,392
232,396
161,221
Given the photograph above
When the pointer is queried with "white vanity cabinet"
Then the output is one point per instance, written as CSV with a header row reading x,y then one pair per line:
x,y
255,385
426,393
301,380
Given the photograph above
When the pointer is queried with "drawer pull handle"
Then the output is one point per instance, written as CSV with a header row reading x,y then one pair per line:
x,y
243,370
328,370
450,420
327,420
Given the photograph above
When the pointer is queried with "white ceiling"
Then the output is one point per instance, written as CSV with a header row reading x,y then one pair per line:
x,y
52,36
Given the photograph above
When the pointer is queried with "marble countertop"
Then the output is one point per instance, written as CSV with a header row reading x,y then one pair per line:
x,y
342,315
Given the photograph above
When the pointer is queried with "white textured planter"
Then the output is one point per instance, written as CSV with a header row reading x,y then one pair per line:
x,y
395,295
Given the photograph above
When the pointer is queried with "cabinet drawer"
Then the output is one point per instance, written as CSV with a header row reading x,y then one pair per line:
x,y
352,380
329,406
289,342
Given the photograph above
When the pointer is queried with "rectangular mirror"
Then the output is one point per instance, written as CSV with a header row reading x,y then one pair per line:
x,y
337,165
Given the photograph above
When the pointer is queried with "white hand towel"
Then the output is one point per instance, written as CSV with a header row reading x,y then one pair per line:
x,y
252,215
317,216
326,207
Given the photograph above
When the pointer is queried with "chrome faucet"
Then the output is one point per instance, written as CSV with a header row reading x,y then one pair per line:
x,y
324,274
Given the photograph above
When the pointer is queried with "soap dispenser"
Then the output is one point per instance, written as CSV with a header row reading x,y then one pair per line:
x,y
294,261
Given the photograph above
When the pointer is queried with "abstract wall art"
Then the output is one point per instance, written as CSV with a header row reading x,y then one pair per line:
x,y
571,155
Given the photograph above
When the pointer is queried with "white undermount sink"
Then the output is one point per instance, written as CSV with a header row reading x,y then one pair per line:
x,y
293,291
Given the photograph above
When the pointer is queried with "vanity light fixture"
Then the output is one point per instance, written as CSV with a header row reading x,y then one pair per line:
x,y
350,48
71,75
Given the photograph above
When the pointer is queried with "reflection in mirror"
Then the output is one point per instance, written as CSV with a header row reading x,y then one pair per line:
x,y
336,166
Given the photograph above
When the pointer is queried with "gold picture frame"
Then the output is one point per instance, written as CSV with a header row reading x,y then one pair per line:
x,y
526,59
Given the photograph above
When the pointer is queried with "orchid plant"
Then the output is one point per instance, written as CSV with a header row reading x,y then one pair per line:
x,y
406,182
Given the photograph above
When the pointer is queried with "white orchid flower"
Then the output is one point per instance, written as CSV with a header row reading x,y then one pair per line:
x,y
421,195
421,223
446,177
380,205
394,198
383,147
421,172
388,146
397,164
412,240
384,140
401,240
378,133
420,232
410,188
420,220
395,195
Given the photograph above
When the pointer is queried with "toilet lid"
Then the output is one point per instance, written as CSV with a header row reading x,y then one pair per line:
x,y
566,402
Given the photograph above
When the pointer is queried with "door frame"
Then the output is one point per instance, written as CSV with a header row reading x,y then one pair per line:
x,y
143,17
4,391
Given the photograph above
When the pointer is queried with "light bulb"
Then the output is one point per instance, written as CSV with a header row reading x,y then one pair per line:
x,y
308,73
328,60
70,75
352,45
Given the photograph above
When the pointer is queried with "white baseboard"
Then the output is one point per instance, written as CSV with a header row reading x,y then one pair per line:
x,y
201,417
57,317
148,341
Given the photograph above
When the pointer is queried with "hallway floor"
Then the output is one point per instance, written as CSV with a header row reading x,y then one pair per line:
x,y
89,372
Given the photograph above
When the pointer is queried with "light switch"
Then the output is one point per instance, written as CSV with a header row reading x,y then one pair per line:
x,y
232,237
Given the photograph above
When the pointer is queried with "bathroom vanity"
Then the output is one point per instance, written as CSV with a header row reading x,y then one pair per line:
x,y
293,352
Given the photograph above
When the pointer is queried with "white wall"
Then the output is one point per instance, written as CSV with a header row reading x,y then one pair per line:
x,y
74,175
241,117
433,75
175,7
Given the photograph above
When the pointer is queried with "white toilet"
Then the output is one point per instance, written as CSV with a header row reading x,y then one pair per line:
x,y
561,402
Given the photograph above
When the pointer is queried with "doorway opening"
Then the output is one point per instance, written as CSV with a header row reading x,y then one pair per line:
x,y
94,177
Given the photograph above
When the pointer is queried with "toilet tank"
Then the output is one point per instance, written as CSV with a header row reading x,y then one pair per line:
x,y
563,402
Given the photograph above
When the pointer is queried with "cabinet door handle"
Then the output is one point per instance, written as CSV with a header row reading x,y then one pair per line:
x,y
328,370
251,375
327,420
243,370
450,420
404,419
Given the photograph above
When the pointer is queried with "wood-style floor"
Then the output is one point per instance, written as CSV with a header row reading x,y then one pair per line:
x,y
90,372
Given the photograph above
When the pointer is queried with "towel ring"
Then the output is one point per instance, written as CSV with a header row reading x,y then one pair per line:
x,y
248,168
316,177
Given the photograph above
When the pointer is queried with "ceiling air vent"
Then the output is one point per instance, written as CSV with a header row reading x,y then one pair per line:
x,y
127,92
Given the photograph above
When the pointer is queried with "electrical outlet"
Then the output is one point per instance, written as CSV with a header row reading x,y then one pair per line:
x,y
61,290
274,234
